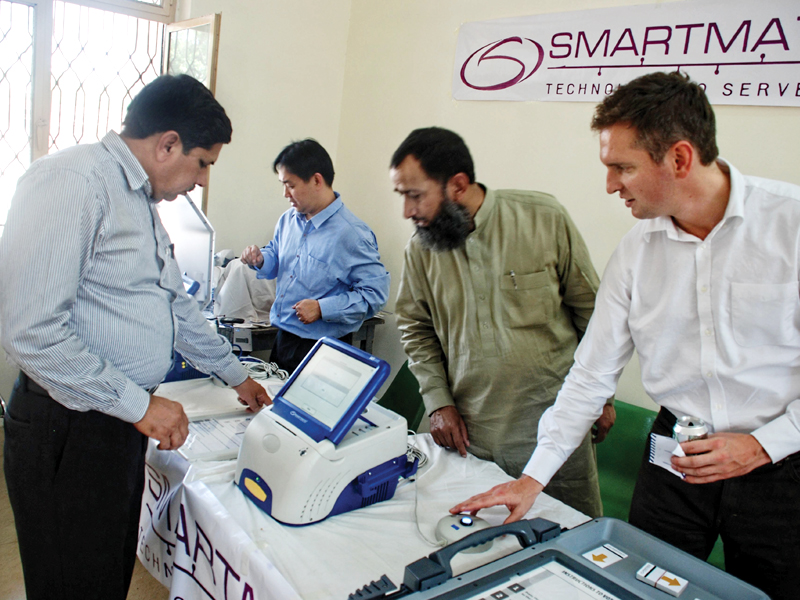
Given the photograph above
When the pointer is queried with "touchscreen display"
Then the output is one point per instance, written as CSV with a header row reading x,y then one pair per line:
x,y
328,384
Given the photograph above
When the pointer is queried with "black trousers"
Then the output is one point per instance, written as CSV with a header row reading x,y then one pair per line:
x,y
75,483
757,515
289,349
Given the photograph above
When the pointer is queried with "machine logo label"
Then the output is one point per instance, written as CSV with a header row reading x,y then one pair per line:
x,y
298,417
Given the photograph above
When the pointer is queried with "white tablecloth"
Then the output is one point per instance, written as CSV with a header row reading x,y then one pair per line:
x,y
203,538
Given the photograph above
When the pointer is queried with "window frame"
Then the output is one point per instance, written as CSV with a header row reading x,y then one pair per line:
x,y
134,8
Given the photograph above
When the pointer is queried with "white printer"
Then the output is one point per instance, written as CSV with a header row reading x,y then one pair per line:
x,y
323,448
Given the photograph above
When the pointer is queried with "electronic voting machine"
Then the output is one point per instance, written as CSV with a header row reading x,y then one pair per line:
x,y
323,448
604,559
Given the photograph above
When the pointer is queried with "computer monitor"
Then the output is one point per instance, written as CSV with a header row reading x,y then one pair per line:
x,y
192,236
330,389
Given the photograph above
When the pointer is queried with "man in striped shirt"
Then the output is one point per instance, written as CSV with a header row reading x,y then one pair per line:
x,y
92,306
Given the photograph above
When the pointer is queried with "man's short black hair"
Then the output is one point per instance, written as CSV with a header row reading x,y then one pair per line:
x,y
178,103
441,153
304,158
664,108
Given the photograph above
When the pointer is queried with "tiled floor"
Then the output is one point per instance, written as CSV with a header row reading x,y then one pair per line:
x,y
143,586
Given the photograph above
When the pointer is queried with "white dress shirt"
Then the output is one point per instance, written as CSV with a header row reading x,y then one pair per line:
x,y
716,323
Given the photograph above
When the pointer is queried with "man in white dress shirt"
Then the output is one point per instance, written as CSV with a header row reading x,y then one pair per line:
x,y
705,288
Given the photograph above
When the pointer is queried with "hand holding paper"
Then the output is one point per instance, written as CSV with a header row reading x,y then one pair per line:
x,y
662,449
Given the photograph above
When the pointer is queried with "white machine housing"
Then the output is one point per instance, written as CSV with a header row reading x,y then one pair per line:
x,y
298,480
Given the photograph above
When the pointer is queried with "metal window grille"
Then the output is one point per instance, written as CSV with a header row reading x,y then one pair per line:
x,y
97,60
16,78
100,60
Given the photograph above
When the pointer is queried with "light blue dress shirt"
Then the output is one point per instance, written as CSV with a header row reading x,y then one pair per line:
x,y
92,301
332,258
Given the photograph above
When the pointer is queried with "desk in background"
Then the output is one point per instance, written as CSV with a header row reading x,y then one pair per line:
x,y
258,338
203,539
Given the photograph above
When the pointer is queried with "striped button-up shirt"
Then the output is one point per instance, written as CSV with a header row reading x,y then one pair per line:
x,y
91,301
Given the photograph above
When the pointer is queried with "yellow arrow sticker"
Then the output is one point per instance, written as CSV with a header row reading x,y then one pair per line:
x,y
603,556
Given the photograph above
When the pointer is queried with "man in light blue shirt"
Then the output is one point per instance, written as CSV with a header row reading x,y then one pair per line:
x,y
93,327
329,274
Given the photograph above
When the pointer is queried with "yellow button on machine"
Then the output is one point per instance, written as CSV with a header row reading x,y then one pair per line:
x,y
255,489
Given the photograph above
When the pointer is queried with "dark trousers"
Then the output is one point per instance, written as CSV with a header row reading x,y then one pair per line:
x,y
289,349
75,483
757,515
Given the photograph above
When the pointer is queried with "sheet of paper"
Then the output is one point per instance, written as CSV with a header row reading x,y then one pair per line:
x,y
662,449
215,439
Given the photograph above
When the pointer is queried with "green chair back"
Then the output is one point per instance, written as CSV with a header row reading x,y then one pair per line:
x,y
619,457
403,397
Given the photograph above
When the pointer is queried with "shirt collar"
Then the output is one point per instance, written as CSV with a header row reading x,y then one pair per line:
x,y
733,210
131,168
660,224
485,209
326,213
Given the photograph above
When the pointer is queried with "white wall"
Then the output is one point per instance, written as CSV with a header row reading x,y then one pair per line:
x,y
280,76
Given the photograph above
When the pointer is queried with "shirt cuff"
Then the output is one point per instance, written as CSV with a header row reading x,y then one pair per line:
x,y
778,438
133,404
232,372
326,307
437,398
542,465
259,272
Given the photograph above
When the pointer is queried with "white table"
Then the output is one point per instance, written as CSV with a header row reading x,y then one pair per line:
x,y
202,538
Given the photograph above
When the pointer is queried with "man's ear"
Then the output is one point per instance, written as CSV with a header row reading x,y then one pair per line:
x,y
457,186
318,180
682,156
167,145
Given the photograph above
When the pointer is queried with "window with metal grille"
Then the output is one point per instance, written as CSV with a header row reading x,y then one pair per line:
x,y
67,73
16,76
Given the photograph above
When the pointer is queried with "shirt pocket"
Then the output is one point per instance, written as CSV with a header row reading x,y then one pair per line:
x,y
318,277
765,314
527,298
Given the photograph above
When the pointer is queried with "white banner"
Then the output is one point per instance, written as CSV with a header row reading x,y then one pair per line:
x,y
189,542
742,52
163,482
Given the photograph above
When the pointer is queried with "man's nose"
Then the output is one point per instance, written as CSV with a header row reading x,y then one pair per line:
x,y
612,183
409,209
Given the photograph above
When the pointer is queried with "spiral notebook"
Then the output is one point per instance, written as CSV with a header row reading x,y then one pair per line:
x,y
662,449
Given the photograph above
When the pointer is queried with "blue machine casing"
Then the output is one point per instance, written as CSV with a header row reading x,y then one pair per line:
x,y
182,370
371,487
